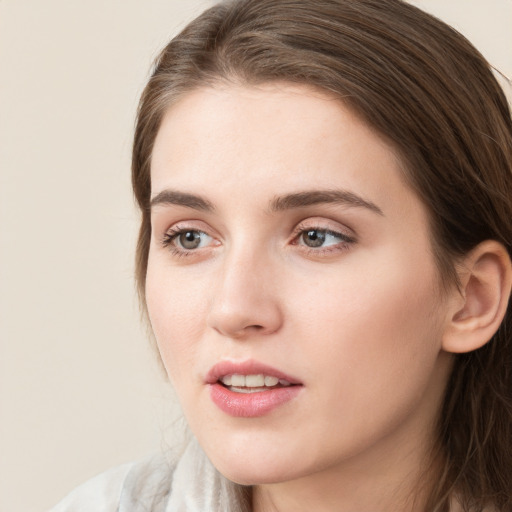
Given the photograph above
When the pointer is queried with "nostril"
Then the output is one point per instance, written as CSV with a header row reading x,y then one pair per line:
x,y
242,333
254,329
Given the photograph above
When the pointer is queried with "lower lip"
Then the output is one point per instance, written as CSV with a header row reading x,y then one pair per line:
x,y
251,405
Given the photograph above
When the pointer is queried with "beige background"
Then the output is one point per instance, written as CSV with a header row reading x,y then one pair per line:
x,y
79,388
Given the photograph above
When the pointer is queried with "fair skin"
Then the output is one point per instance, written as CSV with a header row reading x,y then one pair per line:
x,y
338,290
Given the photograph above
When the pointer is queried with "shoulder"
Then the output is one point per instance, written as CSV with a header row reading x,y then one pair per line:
x,y
162,483
101,493
128,488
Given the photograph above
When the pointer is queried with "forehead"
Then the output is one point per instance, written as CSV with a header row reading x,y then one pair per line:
x,y
245,118
271,137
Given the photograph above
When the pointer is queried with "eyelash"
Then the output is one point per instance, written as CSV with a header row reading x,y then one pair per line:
x,y
172,234
170,237
302,229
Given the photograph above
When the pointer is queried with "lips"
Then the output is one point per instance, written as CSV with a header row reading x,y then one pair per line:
x,y
250,389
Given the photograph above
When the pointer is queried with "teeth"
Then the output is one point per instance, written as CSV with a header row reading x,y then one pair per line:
x,y
271,381
247,390
238,380
252,381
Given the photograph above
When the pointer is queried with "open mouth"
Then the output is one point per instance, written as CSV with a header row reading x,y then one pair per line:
x,y
252,383
251,395
249,388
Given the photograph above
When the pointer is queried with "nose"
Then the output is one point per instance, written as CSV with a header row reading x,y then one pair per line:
x,y
245,301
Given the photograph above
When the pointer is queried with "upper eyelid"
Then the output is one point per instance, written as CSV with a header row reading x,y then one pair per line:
x,y
190,225
344,239
323,224
174,232
331,232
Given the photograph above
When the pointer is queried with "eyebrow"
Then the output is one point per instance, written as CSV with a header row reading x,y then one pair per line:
x,y
310,198
281,203
174,197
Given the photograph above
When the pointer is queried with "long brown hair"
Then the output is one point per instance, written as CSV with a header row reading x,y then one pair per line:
x,y
426,89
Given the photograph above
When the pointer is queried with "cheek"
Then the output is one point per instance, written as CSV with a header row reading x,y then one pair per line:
x,y
372,326
387,292
177,311
370,343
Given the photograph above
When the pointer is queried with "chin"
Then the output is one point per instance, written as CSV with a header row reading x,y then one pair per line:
x,y
255,476
252,463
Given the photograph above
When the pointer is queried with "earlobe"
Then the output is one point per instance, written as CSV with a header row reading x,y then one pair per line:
x,y
486,280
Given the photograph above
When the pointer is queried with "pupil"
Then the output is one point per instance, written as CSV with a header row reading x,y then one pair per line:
x,y
314,238
190,239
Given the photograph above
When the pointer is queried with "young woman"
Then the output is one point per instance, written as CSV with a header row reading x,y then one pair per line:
x,y
324,257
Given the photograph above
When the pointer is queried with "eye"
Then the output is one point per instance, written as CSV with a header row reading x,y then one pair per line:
x,y
314,238
189,239
183,240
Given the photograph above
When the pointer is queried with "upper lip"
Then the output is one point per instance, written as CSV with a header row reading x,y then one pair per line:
x,y
249,367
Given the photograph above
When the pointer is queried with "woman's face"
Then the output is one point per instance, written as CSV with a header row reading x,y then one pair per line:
x,y
287,250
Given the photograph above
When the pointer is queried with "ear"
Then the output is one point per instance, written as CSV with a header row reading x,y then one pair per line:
x,y
479,306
